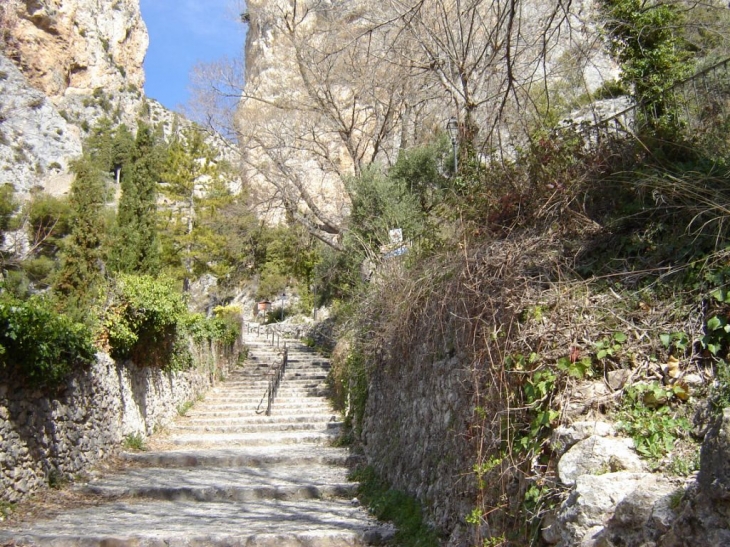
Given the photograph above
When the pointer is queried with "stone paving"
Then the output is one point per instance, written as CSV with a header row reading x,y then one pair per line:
x,y
224,474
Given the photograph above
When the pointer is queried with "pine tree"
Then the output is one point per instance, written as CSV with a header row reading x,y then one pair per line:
x,y
194,183
136,245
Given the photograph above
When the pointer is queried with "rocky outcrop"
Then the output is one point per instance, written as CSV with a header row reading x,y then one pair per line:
x,y
66,64
611,508
704,513
68,47
36,142
596,455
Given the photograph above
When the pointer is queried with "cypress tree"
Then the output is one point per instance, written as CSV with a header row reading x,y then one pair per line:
x,y
82,269
136,246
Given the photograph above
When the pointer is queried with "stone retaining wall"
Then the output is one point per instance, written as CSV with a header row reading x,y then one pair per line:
x,y
415,435
43,435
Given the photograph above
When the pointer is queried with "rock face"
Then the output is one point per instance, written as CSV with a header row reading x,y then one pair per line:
x,y
36,142
704,514
596,455
637,509
603,507
65,65
70,47
714,477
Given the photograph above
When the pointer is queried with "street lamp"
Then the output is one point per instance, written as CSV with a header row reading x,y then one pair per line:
x,y
453,128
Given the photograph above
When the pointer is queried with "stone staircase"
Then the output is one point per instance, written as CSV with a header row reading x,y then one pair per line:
x,y
225,475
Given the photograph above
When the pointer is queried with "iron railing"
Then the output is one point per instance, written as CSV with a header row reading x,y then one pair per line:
x,y
698,104
271,332
274,382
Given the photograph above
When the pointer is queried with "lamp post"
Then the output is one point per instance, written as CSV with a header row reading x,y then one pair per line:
x,y
283,296
453,128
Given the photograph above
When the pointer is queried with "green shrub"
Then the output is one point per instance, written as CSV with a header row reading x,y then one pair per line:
x,y
649,420
216,328
143,323
40,344
8,205
50,220
39,270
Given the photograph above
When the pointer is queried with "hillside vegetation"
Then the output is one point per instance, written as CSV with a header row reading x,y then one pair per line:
x,y
110,267
585,277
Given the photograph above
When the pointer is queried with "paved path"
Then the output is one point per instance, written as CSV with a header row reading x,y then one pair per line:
x,y
225,475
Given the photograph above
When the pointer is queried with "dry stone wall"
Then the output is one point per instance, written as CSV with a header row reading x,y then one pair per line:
x,y
415,435
44,435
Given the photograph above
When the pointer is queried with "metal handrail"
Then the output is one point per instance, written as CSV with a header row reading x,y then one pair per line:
x,y
274,383
272,334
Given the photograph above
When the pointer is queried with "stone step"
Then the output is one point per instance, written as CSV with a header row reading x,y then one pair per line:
x,y
253,439
281,482
256,428
294,377
299,407
236,410
304,389
263,381
233,477
236,396
257,419
252,402
285,387
319,523
250,456
321,413
248,402
265,369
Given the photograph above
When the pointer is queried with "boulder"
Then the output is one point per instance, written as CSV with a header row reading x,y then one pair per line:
x,y
586,518
565,436
643,515
596,455
704,514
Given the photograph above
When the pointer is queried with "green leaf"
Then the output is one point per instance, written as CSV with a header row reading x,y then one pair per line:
x,y
620,337
720,295
714,323
666,339
602,354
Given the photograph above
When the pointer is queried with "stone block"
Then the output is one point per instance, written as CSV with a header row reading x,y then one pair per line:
x,y
596,455
564,437
582,519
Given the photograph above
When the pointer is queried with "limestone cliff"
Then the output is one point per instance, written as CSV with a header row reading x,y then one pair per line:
x,y
67,47
65,64
36,142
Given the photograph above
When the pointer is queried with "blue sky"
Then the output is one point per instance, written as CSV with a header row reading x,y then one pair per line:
x,y
183,33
